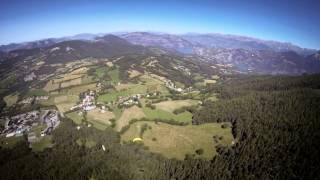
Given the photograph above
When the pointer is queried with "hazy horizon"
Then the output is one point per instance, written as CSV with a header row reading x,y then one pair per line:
x,y
284,21
154,32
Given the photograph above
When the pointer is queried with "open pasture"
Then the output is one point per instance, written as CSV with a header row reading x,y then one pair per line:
x,y
170,106
133,112
96,117
65,102
176,141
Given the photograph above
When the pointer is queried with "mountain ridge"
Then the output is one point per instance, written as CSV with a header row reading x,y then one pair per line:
x,y
91,36
260,59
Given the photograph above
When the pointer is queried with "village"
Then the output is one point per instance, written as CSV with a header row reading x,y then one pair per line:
x,y
33,99
21,124
88,99
87,103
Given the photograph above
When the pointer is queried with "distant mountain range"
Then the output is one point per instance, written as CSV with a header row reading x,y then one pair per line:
x,y
244,54
179,42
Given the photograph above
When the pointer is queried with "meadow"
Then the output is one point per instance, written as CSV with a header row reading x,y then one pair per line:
x,y
170,106
65,102
133,112
98,119
178,141
75,117
11,99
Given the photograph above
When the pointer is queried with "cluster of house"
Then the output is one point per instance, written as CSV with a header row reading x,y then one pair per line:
x,y
99,86
19,124
169,84
87,103
183,69
103,109
30,77
51,119
152,94
223,67
29,100
134,99
131,100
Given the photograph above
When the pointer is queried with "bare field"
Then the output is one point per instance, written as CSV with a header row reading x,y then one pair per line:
x,y
133,73
209,81
11,99
110,64
51,86
81,70
72,82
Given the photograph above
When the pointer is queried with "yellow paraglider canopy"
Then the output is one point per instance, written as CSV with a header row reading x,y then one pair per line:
x,y
137,139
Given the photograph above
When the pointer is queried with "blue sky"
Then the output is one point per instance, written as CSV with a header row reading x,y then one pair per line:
x,y
291,21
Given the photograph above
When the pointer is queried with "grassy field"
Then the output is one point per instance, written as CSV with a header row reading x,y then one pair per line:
x,y
153,84
45,142
74,78
49,102
67,77
87,79
65,102
72,82
177,141
98,125
79,89
98,119
114,75
11,99
37,92
133,112
112,96
75,117
100,72
170,106
164,110
123,90
117,112
161,114
135,89
150,84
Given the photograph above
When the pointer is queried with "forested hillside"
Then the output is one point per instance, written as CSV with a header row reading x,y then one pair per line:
x,y
276,123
